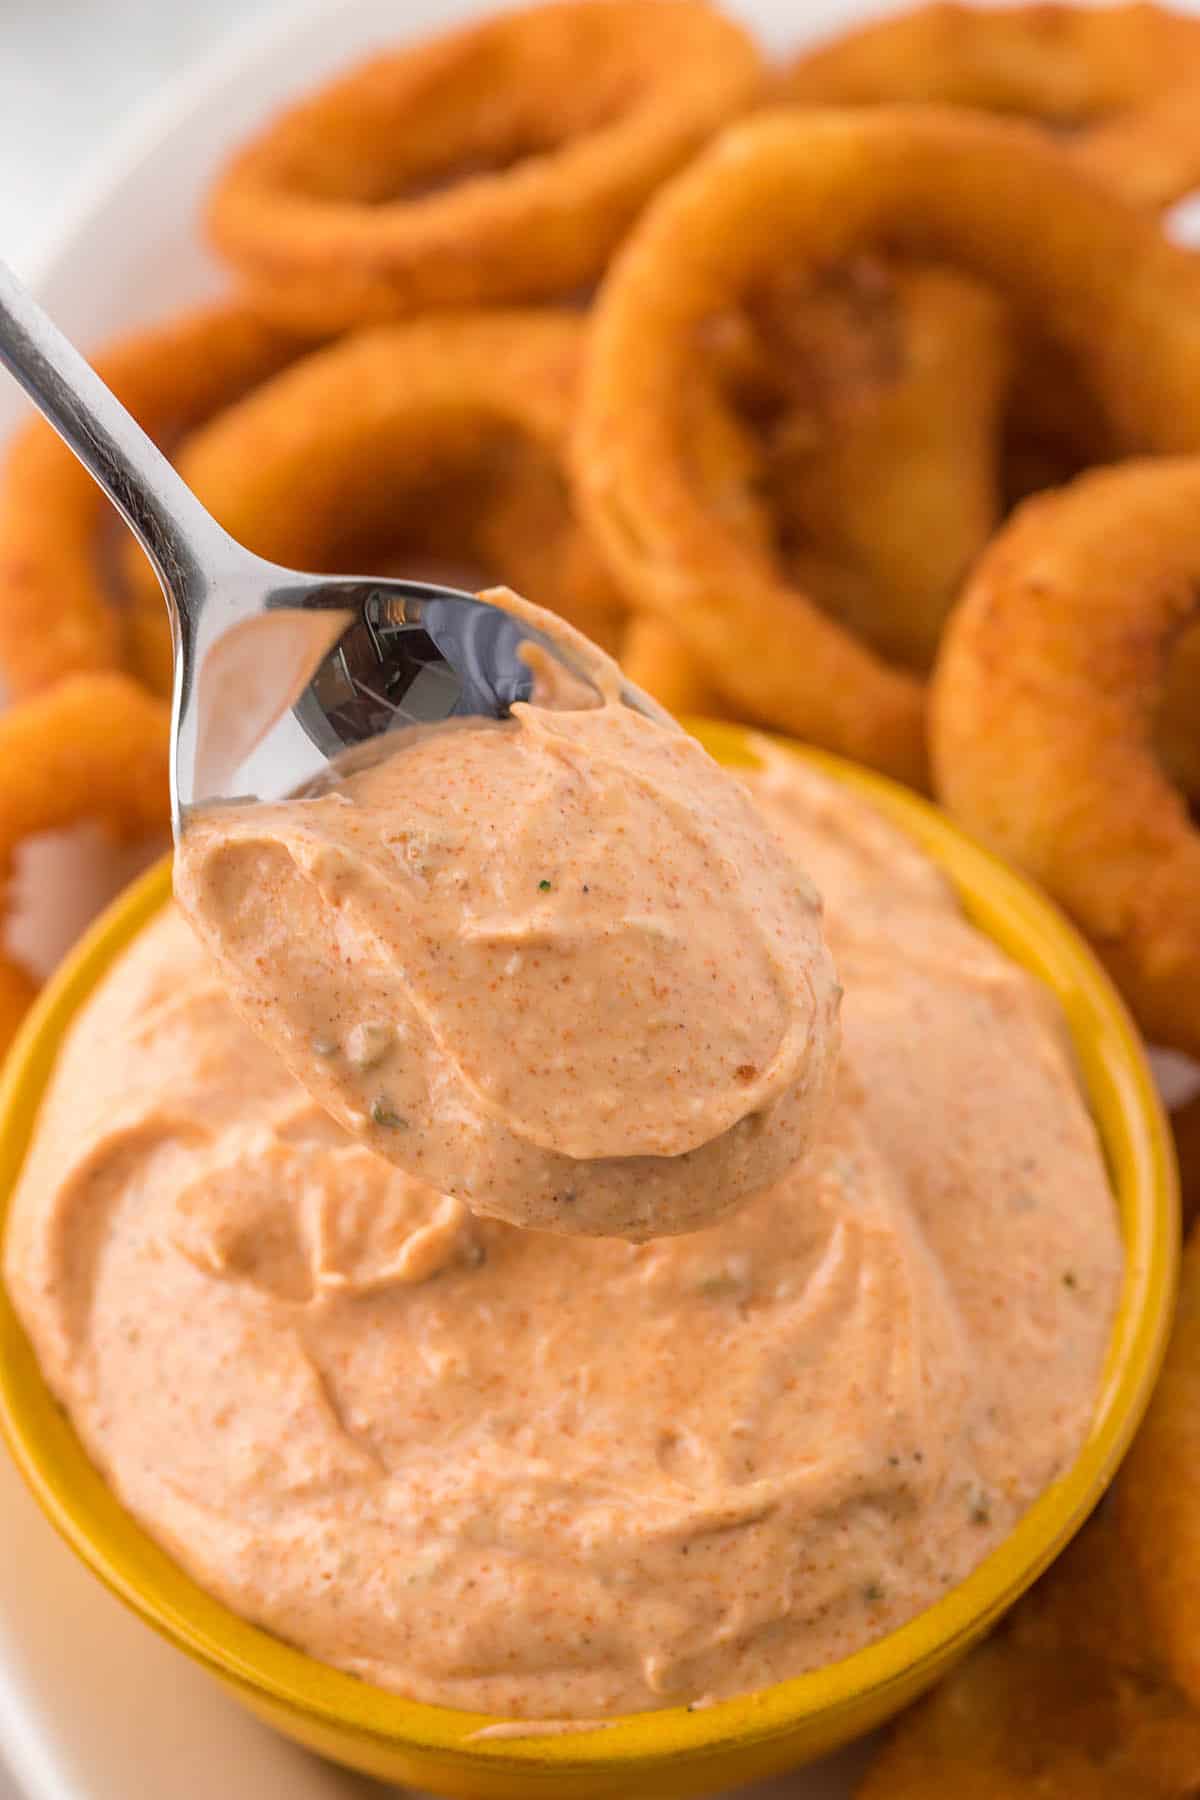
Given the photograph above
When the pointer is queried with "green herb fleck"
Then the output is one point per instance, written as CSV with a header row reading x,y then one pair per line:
x,y
1069,1279
383,1114
981,1513
873,1593
543,887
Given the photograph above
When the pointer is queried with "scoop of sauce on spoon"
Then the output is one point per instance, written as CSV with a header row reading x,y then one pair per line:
x,y
554,964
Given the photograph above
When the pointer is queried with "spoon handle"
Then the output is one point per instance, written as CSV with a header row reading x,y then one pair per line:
x,y
175,531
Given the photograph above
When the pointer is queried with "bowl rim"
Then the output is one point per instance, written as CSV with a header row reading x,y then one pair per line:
x,y
1132,1125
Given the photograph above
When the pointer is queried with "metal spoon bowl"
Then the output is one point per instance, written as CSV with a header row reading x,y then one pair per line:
x,y
277,673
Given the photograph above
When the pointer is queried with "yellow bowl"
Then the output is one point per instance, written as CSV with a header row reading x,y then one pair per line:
x,y
672,1751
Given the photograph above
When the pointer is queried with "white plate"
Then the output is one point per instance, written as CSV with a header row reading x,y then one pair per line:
x,y
93,1706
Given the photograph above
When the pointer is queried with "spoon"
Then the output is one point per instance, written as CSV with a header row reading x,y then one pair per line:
x,y
277,673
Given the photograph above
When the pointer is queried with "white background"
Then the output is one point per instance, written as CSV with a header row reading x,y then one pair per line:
x,y
70,72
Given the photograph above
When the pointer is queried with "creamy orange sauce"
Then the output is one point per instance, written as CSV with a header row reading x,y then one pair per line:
x,y
556,1476
555,965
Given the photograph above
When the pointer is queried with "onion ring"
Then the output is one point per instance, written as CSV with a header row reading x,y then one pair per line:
x,y
500,162
876,398
93,747
436,446
18,991
1123,80
1185,1124
892,477
809,190
1158,1491
1067,1700
57,615
1042,720
1177,729
655,657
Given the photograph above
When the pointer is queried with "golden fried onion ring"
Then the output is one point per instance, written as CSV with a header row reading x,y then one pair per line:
x,y
94,747
1043,712
890,473
502,161
435,446
1185,1124
994,199
57,615
1159,1492
1123,81
1068,1700
877,396
655,657
1177,732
